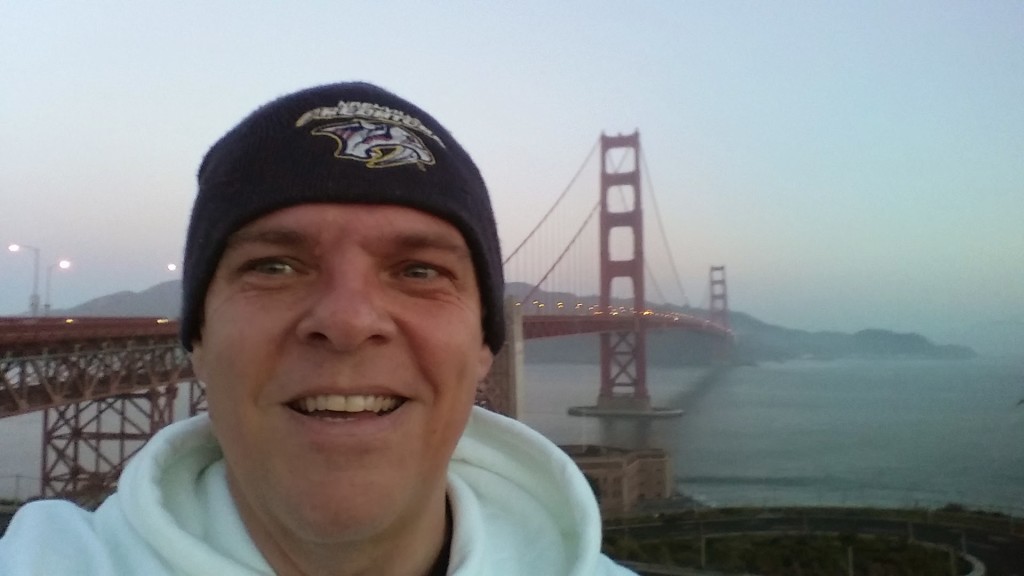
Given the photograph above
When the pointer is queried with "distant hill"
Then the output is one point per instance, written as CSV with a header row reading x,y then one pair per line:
x,y
163,300
756,341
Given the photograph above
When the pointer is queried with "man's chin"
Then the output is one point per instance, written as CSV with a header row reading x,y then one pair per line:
x,y
355,518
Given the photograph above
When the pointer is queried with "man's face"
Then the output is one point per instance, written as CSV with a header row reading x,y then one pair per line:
x,y
341,349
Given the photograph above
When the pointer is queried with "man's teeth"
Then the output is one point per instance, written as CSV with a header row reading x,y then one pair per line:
x,y
354,403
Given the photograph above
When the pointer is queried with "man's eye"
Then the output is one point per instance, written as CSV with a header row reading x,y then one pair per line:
x,y
271,267
420,271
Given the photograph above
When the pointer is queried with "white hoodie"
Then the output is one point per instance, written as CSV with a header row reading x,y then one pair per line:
x,y
520,506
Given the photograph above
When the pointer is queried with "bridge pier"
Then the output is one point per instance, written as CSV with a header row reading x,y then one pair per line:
x,y
626,408
500,391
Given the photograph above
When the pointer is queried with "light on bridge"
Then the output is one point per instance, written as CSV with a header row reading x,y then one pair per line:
x,y
63,265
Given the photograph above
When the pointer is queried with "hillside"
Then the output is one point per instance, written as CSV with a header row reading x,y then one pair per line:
x,y
756,341
163,300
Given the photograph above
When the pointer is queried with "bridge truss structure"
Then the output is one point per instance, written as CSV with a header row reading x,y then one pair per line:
x,y
104,385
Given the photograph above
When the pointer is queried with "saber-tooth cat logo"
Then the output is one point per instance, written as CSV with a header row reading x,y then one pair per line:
x,y
378,136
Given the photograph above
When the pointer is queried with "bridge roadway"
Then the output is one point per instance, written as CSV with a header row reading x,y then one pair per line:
x,y
30,336
550,325
52,362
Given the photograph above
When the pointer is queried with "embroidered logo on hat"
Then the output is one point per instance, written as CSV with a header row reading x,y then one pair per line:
x,y
379,136
378,145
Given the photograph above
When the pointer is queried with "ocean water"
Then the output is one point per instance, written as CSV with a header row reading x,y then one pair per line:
x,y
886,433
20,455
851,432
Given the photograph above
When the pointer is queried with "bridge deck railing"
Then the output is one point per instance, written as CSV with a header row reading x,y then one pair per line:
x,y
50,362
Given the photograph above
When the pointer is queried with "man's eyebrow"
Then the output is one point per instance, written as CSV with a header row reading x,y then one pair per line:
x,y
412,240
418,240
273,236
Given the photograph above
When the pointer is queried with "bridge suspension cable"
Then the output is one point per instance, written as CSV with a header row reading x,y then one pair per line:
x,y
661,228
590,216
555,205
654,282
648,269
549,273
564,251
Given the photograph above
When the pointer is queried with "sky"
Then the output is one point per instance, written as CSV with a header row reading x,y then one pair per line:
x,y
853,164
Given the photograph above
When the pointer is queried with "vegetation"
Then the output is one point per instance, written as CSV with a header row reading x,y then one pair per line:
x,y
952,514
790,555
672,539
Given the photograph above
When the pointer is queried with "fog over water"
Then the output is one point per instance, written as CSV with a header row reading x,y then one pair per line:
x,y
860,432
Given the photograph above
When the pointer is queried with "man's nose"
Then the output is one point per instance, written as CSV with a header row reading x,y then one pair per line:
x,y
347,309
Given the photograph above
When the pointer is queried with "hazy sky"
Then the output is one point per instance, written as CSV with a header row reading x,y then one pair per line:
x,y
854,164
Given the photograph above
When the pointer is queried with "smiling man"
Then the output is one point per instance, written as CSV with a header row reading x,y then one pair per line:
x,y
342,301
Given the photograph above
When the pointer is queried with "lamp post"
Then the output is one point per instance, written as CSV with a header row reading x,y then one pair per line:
x,y
33,301
63,265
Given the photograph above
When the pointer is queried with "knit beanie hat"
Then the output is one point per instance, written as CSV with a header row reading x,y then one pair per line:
x,y
347,143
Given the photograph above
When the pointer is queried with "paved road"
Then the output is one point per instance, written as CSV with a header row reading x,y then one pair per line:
x,y
1002,554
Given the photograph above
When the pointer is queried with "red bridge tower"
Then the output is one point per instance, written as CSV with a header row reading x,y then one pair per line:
x,y
718,311
623,354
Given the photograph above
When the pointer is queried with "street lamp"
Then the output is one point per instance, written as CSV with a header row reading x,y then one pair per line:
x,y
172,267
63,265
33,301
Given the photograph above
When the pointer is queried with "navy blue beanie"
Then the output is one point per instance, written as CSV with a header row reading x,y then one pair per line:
x,y
347,143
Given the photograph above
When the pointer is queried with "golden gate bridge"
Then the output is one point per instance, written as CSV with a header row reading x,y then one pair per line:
x,y
106,385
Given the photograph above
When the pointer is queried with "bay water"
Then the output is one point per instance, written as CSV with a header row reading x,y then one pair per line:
x,y
843,432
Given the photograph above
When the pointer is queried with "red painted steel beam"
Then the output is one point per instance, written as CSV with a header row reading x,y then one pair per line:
x,y
623,354
105,386
28,333
48,362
